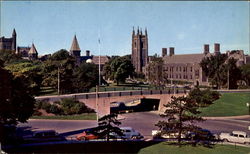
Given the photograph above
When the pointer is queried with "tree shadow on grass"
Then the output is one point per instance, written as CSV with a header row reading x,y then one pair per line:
x,y
194,143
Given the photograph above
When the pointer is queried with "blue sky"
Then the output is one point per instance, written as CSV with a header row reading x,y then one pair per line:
x,y
183,25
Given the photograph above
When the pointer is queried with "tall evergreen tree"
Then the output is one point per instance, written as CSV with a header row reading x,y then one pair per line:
x,y
182,113
107,125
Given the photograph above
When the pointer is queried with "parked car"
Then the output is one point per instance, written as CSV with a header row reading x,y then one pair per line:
x,y
202,135
43,136
86,135
157,134
235,136
128,133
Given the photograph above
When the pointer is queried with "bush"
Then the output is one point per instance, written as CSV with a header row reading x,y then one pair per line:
x,y
66,106
55,109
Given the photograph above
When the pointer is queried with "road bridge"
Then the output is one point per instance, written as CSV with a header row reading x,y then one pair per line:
x,y
100,101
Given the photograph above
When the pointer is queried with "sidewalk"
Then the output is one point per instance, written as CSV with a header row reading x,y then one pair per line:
x,y
214,118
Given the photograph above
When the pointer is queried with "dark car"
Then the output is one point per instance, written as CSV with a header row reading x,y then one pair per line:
x,y
201,135
43,136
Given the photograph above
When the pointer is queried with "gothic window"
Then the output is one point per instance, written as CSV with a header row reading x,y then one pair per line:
x,y
191,69
167,69
180,76
190,76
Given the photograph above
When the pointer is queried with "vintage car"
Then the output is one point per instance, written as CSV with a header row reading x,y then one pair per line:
x,y
235,136
86,135
43,136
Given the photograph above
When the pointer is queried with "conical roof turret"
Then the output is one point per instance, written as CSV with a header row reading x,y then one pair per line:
x,y
75,45
14,32
33,49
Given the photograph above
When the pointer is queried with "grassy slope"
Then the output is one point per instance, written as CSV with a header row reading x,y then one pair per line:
x,y
230,104
163,148
85,116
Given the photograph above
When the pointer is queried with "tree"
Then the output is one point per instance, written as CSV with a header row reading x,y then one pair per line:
x,y
183,112
245,72
234,73
16,102
60,61
106,126
9,56
121,68
30,71
86,76
155,73
214,68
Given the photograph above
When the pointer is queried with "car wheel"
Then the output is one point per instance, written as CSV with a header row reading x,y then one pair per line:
x,y
133,137
225,140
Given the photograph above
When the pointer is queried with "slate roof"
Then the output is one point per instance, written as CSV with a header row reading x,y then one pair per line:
x,y
33,49
103,59
75,45
185,58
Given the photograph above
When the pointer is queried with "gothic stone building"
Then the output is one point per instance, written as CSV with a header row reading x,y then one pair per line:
x,y
186,67
139,50
8,43
24,52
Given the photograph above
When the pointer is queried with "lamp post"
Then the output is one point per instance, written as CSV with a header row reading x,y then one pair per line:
x,y
248,105
58,81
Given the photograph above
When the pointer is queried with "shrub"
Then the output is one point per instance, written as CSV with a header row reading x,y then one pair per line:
x,y
55,109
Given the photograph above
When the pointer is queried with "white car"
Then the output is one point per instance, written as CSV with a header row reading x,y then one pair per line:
x,y
235,136
128,133
157,134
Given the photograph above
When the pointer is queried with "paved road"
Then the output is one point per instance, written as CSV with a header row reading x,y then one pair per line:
x,y
141,121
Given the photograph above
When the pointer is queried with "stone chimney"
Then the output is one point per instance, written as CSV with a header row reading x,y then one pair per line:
x,y
171,51
87,53
216,47
206,49
164,52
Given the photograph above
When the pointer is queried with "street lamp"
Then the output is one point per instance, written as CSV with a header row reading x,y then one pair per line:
x,y
248,105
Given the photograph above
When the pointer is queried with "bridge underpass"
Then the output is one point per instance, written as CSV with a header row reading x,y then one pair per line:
x,y
101,101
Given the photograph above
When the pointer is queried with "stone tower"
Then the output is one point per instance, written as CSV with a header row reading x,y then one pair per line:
x,y
8,43
13,46
75,50
139,50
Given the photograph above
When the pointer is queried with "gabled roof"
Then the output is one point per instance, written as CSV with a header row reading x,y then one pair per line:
x,y
33,49
103,59
185,58
75,45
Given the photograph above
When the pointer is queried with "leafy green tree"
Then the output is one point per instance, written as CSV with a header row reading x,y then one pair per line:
x,y
107,125
9,56
155,73
30,71
60,61
16,103
215,69
182,113
107,67
234,73
245,72
86,77
120,68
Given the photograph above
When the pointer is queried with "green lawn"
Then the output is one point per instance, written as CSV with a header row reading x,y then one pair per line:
x,y
46,91
163,148
85,116
230,104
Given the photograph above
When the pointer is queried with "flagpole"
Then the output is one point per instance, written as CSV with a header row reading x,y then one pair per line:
x,y
99,42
